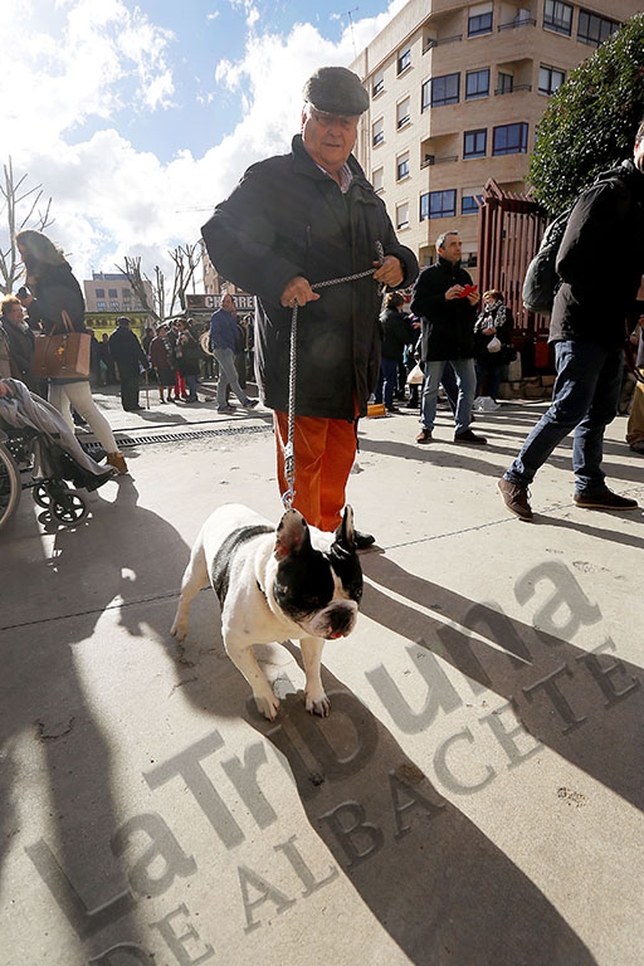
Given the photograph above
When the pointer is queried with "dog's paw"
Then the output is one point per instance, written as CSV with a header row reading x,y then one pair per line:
x,y
267,705
318,703
179,629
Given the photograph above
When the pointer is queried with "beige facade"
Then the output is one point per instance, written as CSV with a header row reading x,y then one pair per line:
x,y
112,292
456,91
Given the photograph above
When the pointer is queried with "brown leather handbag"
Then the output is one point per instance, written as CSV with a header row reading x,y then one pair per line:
x,y
62,356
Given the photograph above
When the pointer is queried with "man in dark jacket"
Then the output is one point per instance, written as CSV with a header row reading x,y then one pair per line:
x,y
294,221
130,358
223,339
447,308
588,328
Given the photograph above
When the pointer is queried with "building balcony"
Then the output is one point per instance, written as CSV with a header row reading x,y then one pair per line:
x,y
431,159
515,89
442,40
523,22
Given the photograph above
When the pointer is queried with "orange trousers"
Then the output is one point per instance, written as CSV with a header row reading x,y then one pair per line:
x,y
324,451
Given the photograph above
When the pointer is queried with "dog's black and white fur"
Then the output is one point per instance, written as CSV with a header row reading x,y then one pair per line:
x,y
291,582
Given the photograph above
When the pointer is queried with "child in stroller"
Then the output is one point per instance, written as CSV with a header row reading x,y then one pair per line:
x,y
33,432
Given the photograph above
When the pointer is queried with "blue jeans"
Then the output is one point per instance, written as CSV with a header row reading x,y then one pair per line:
x,y
585,394
228,375
387,382
466,382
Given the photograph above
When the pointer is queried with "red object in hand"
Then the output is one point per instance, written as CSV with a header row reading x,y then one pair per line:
x,y
468,290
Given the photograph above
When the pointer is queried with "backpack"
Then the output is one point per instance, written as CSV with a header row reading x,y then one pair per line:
x,y
541,280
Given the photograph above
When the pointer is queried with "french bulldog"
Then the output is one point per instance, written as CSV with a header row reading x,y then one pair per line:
x,y
293,581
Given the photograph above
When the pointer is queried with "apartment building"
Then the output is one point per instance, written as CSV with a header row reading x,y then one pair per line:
x,y
456,91
112,292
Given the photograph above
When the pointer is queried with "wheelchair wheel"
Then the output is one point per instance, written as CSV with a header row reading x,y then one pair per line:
x,y
41,495
69,508
10,486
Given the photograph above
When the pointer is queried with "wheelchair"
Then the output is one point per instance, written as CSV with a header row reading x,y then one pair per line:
x,y
51,493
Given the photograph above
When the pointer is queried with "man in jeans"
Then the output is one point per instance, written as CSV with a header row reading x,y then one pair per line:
x,y
601,263
223,342
447,309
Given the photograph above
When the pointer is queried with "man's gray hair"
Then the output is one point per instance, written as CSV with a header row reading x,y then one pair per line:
x,y
440,241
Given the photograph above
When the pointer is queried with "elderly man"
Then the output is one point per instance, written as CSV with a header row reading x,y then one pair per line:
x,y
294,221
588,327
127,353
445,300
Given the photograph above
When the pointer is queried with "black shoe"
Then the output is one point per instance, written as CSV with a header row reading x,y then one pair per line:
x,y
363,540
605,501
467,436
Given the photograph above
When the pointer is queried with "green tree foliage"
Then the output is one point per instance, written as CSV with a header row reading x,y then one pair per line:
x,y
591,121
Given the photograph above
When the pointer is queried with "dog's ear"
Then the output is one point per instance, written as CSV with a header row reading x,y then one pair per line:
x,y
292,534
344,534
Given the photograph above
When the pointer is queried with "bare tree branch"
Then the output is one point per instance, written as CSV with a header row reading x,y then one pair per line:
x,y
19,211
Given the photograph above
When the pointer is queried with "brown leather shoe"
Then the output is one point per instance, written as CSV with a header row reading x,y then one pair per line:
x,y
516,499
117,460
424,436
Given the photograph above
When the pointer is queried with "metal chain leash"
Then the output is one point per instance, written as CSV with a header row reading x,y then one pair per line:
x,y
289,454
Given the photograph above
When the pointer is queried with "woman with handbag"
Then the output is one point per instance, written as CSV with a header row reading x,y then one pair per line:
x,y
55,302
493,347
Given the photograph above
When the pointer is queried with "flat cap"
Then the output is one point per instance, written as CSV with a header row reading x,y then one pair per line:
x,y
336,90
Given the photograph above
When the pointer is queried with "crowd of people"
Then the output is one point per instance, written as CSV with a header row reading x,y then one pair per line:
x,y
308,217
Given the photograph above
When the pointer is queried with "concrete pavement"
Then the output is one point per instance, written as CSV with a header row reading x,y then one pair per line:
x,y
475,796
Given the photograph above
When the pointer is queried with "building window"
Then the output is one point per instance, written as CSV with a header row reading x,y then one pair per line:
x,y
100,293
593,29
101,306
378,131
378,83
558,16
377,179
404,59
469,201
510,139
475,143
479,20
112,293
425,96
477,84
550,80
114,305
505,84
402,215
438,204
126,293
445,90
402,113
402,166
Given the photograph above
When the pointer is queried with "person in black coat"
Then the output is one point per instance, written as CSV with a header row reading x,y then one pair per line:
x,y
296,220
397,332
445,300
53,295
492,343
588,329
127,353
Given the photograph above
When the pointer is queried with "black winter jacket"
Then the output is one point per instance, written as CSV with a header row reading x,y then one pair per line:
x,y
286,218
447,324
55,289
601,260
397,332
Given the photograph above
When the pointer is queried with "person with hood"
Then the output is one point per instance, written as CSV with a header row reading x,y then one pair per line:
x,y
294,221
51,291
588,329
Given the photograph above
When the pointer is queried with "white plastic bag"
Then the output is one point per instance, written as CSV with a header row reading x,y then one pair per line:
x,y
415,376
494,345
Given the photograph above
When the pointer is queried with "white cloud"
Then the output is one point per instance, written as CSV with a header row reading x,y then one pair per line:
x,y
93,59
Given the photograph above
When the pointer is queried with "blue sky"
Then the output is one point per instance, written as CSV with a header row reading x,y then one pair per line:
x,y
137,118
